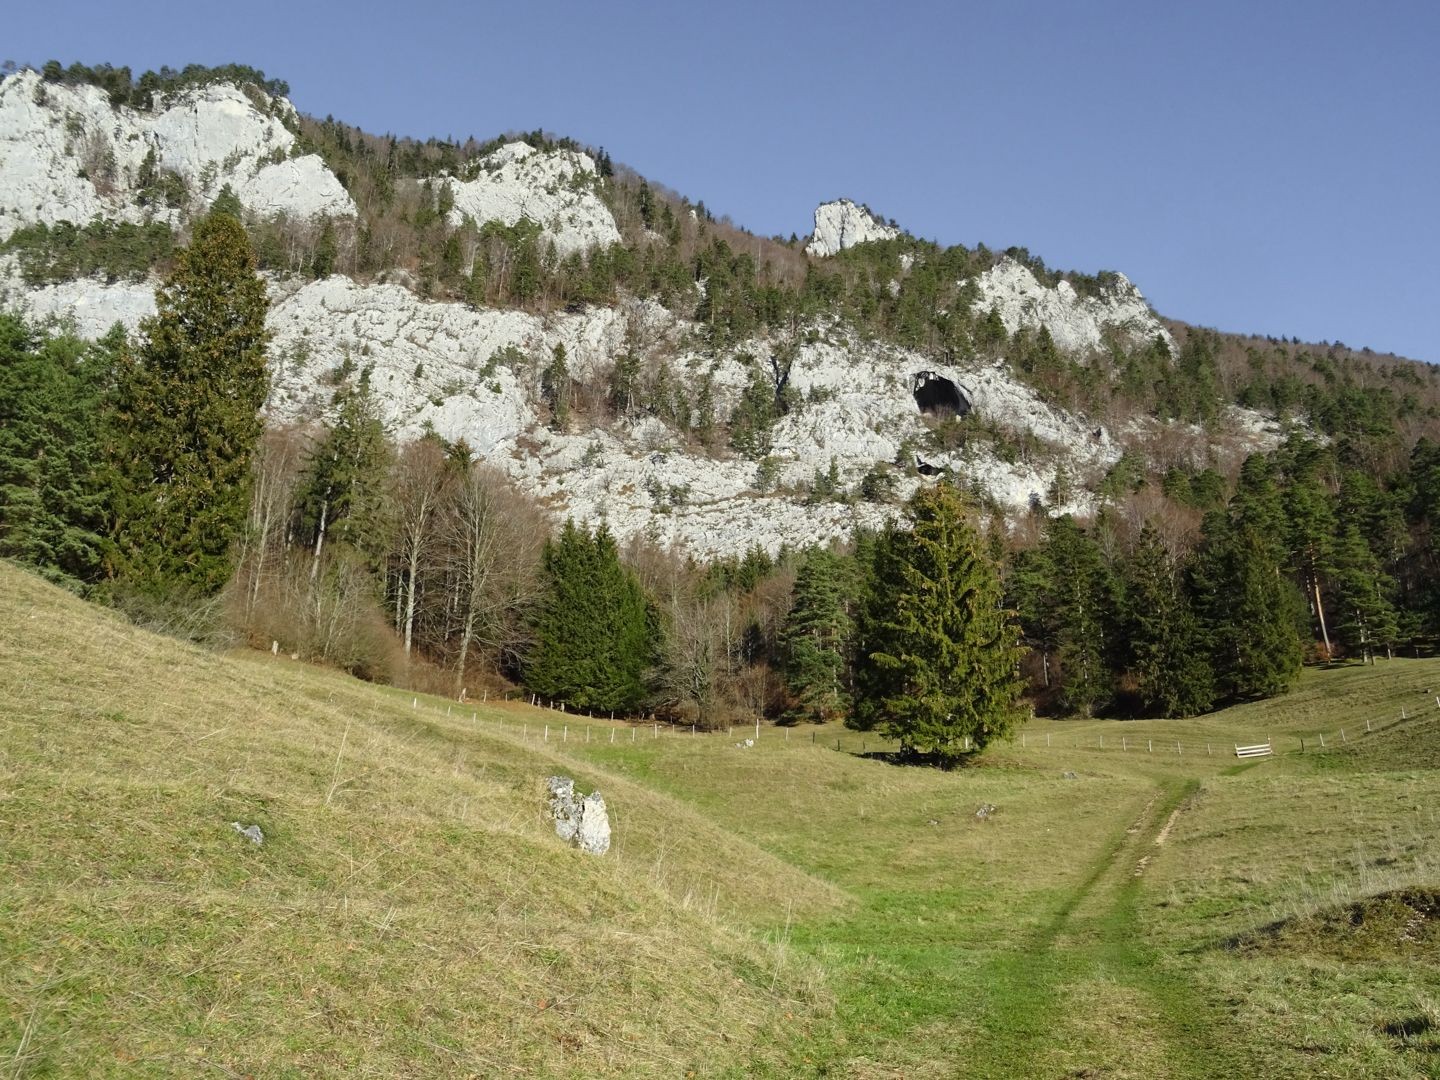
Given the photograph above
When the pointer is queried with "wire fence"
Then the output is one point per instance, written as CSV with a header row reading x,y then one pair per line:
x,y
589,728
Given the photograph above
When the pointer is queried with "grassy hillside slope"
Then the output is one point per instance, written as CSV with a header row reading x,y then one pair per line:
x,y
1136,903
410,913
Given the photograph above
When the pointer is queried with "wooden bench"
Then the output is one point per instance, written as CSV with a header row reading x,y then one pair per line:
x,y
1261,750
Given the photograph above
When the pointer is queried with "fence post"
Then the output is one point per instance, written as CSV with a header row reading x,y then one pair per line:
x,y
1022,740
612,736
415,702
1150,746
565,733
1102,742
1342,736
1207,749
1124,744
1322,741
757,729
1047,738
547,732
657,731
1178,751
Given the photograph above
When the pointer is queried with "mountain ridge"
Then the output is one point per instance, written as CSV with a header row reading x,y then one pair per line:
x,y
448,348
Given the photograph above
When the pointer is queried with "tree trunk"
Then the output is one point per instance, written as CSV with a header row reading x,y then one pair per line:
x,y
319,540
1320,612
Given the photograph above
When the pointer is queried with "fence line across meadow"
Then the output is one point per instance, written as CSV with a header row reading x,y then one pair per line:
x,y
635,730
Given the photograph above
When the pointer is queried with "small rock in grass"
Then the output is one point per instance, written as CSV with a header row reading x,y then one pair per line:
x,y
932,821
985,811
585,823
1067,775
250,832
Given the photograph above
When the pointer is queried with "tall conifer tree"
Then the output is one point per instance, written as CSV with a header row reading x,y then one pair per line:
x,y
817,637
594,639
1168,657
184,419
938,654
51,507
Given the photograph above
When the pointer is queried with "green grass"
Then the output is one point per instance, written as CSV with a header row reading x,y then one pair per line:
x,y
782,910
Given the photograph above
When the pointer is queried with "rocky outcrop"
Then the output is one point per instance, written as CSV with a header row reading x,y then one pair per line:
x,y
842,224
582,822
67,154
556,189
1078,324
474,373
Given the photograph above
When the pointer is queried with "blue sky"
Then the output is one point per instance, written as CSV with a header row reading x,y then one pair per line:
x,y
1269,167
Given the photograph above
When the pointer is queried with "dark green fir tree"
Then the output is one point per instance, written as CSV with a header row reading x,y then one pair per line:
x,y
1167,654
52,507
594,636
183,420
938,654
816,639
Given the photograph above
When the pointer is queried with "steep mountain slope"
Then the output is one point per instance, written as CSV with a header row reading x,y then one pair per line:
x,y
858,418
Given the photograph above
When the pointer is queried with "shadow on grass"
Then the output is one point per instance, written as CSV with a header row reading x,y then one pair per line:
x,y
912,759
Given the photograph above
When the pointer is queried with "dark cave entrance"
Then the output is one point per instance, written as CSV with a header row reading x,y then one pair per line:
x,y
938,396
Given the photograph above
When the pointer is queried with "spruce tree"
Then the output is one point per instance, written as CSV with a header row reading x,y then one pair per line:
x,y
1082,603
183,420
1365,619
594,637
938,654
816,639
1250,612
51,505
1168,659
1266,614
1310,521
555,388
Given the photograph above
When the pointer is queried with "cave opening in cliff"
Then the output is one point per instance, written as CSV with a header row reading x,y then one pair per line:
x,y
938,396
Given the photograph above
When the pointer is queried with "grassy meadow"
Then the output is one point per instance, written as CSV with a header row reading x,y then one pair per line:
x,y
789,909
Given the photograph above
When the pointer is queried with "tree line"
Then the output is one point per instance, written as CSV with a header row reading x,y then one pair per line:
x,y
140,471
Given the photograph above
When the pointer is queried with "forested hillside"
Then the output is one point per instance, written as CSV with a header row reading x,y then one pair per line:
x,y
743,432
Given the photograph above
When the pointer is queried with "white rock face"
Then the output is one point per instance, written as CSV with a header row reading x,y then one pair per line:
x,y
842,224
66,154
475,374
553,188
90,306
1077,323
